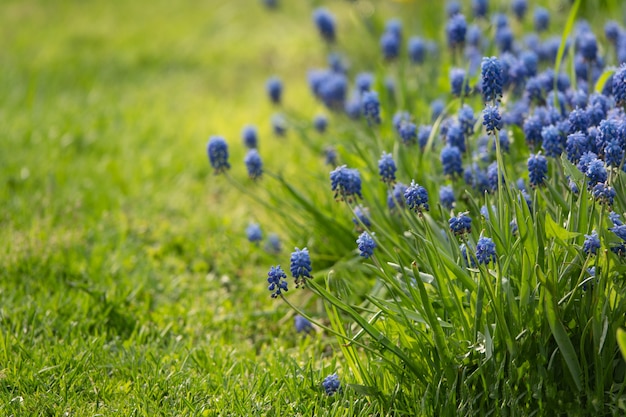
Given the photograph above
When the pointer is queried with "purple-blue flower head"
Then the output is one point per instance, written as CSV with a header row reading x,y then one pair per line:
x,y
537,170
460,224
596,172
361,217
390,45
346,183
456,137
436,109
217,149
615,219
249,137
273,244
254,233
453,7
364,81
416,197
331,384
591,243
395,197
254,165
446,197
417,50
279,125
519,8
604,194
491,79
325,23
491,119
579,120
485,250
588,46
480,8
276,278
387,168
553,141
408,132
620,231
452,161
300,266
320,122
423,133
468,259
302,324
371,107
493,175
466,120
541,19
532,130
459,83
366,245
619,85
274,89
330,154
456,29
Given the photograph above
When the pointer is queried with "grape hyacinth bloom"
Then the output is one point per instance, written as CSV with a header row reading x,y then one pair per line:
x,y
456,29
612,31
416,197
366,245
575,146
491,119
300,266
596,172
253,232
532,130
446,197
453,7
320,123
588,46
452,161
615,219
491,79
346,183
493,175
436,108
361,217
537,170
480,8
604,194
371,107
363,82
620,231
585,160
274,89
325,23
254,165
461,224
423,133
467,260
272,244
417,50
458,82
330,154
552,141
485,250
519,8
217,150
455,137
407,131
276,278
387,168
541,19
331,384
592,243
466,120
249,137
579,120
395,197
619,85
279,125
302,324
390,45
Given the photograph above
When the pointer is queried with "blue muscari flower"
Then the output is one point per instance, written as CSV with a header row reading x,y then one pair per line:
x,y
505,144
408,132
270,4
455,137
595,113
473,57
596,172
417,50
491,119
474,36
514,227
332,90
491,78
519,8
579,98
579,121
371,107
254,165
217,149
249,137
387,168
585,159
366,245
459,82
325,23
300,266
612,31
466,120
273,243
534,90
423,133
467,260
436,108
615,219
500,20
532,130
619,85
320,122
276,278
609,130
504,39
603,194
553,141
580,67
613,154
353,108
485,250
530,60
480,8
562,82
416,197
588,46
274,89
390,45
254,233
279,125
516,113
330,153
446,197
395,197
394,26
390,87
364,81
362,217
346,183
460,224
541,19
573,186
484,211
451,160
456,29
620,231
591,243
453,7
537,170
520,184
477,178
331,384
302,324
556,107
492,176
399,119
336,64
527,199
576,145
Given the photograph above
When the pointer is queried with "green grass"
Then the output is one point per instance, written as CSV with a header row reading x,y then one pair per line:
x,y
127,284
